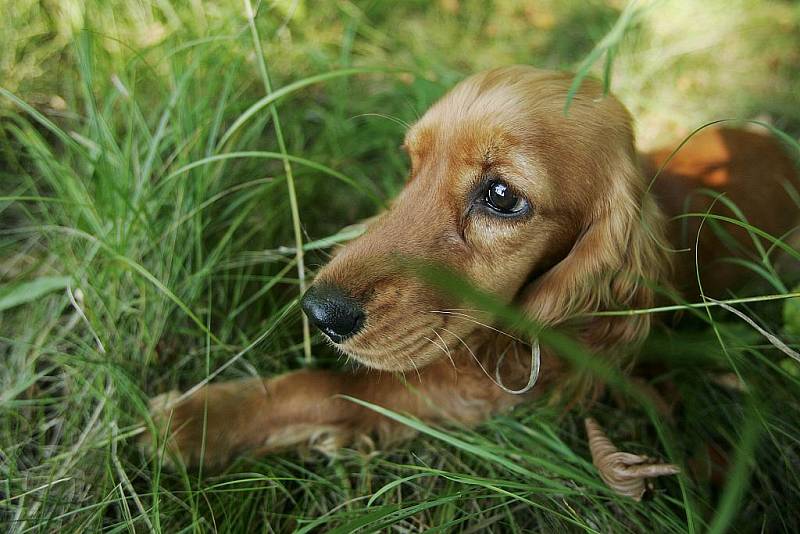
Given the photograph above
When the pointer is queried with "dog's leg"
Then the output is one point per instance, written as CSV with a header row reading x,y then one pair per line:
x,y
307,407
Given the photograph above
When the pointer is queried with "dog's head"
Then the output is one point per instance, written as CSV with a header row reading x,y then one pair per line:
x,y
542,209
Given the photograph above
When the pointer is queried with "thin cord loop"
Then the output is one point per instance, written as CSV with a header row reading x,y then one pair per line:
x,y
536,362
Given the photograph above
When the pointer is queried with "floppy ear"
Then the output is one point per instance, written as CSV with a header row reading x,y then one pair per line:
x,y
616,263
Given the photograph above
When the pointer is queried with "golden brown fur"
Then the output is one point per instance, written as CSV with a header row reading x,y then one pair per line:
x,y
595,240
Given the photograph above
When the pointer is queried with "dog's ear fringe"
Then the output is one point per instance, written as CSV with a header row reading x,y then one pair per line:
x,y
616,264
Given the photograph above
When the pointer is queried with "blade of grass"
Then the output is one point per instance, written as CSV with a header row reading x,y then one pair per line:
x,y
291,88
287,167
607,45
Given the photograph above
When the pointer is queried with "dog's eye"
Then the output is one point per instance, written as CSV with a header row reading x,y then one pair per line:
x,y
502,199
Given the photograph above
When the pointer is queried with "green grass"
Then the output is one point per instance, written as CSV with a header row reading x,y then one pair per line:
x,y
154,197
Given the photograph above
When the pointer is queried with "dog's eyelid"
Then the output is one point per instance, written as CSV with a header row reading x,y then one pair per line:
x,y
494,174
479,202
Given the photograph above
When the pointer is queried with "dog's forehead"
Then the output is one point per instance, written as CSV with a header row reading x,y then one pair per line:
x,y
513,103
488,114
464,141
466,133
476,118
472,137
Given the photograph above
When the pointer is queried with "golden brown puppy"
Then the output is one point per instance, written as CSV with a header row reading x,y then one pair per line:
x,y
548,211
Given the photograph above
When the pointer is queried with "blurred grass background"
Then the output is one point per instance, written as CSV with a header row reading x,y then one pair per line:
x,y
139,252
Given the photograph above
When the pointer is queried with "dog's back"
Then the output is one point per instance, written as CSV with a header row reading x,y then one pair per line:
x,y
723,171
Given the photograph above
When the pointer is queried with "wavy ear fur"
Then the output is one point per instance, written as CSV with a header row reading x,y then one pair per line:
x,y
617,261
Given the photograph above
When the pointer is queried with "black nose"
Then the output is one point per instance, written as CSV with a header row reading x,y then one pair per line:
x,y
329,309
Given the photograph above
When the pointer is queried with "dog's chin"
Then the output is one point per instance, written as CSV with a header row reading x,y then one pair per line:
x,y
380,364
394,362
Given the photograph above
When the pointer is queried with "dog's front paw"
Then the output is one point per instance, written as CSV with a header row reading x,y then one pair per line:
x,y
182,431
221,421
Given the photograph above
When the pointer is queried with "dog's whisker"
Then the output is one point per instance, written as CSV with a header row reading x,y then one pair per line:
x,y
444,343
444,348
414,365
476,321
534,367
435,344
469,349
